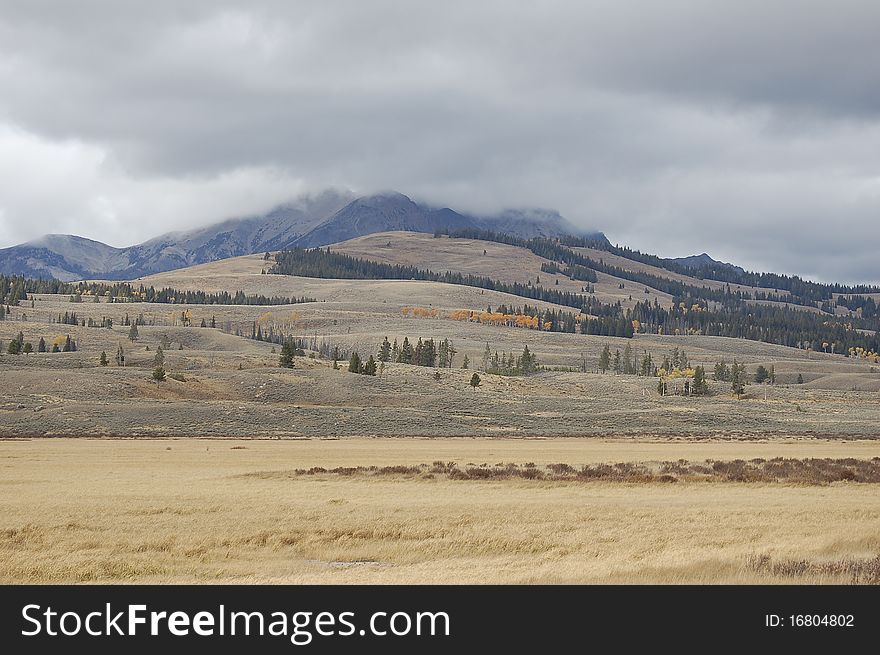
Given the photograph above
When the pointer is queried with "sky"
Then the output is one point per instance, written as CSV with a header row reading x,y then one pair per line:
x,y
749,130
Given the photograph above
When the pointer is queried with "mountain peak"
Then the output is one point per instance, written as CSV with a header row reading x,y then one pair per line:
x,y
308,221
703,259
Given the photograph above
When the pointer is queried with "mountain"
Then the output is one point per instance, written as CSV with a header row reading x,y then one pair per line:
x,y
382,213
326,218
704,261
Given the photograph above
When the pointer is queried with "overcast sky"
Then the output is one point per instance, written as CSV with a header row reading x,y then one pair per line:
x,y
747,129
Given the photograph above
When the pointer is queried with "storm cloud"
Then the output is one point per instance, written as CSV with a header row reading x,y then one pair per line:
x,y
750,130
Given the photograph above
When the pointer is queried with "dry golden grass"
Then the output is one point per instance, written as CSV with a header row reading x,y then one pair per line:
x,y
186,511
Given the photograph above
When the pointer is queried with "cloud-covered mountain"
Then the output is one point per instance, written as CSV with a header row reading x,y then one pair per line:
x,y
329,217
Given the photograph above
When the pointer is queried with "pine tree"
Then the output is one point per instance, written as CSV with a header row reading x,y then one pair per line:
x,y
616,362
369,367
385,351
443,354
528,363
800,378
475,381
286,358
159,357
120,356
28,348
605,358
354,364
700,387
737,378
761,374
159,374
406,352
627,360
133,332
103,361
466,363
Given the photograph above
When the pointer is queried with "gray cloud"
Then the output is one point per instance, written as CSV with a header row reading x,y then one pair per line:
x,y
749,130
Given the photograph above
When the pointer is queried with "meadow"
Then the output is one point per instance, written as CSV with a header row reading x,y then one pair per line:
x,y
237,511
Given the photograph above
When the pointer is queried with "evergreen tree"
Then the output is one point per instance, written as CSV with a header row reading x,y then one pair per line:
x,y
395,352
616,362
103,361
133,332
475,381
286,358
627,364
354,364
28,348
120,356
737,378
159,357
159,374
466,363
443,354
406,352
722,372
385,351
700,387
761,374
605,359
369,367
800,378
528,363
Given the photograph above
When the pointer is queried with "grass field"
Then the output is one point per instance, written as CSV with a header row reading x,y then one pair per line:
x,y
186,510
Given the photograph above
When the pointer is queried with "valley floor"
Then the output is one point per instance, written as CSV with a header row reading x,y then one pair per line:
x,y
207,510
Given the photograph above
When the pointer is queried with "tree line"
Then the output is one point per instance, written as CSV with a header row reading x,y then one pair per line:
x,y
19,346
800,291
322,263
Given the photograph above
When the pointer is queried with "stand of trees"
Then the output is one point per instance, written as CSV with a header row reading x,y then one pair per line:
x,y
321,263
508,363
854,303
19,346
15,288
779,325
